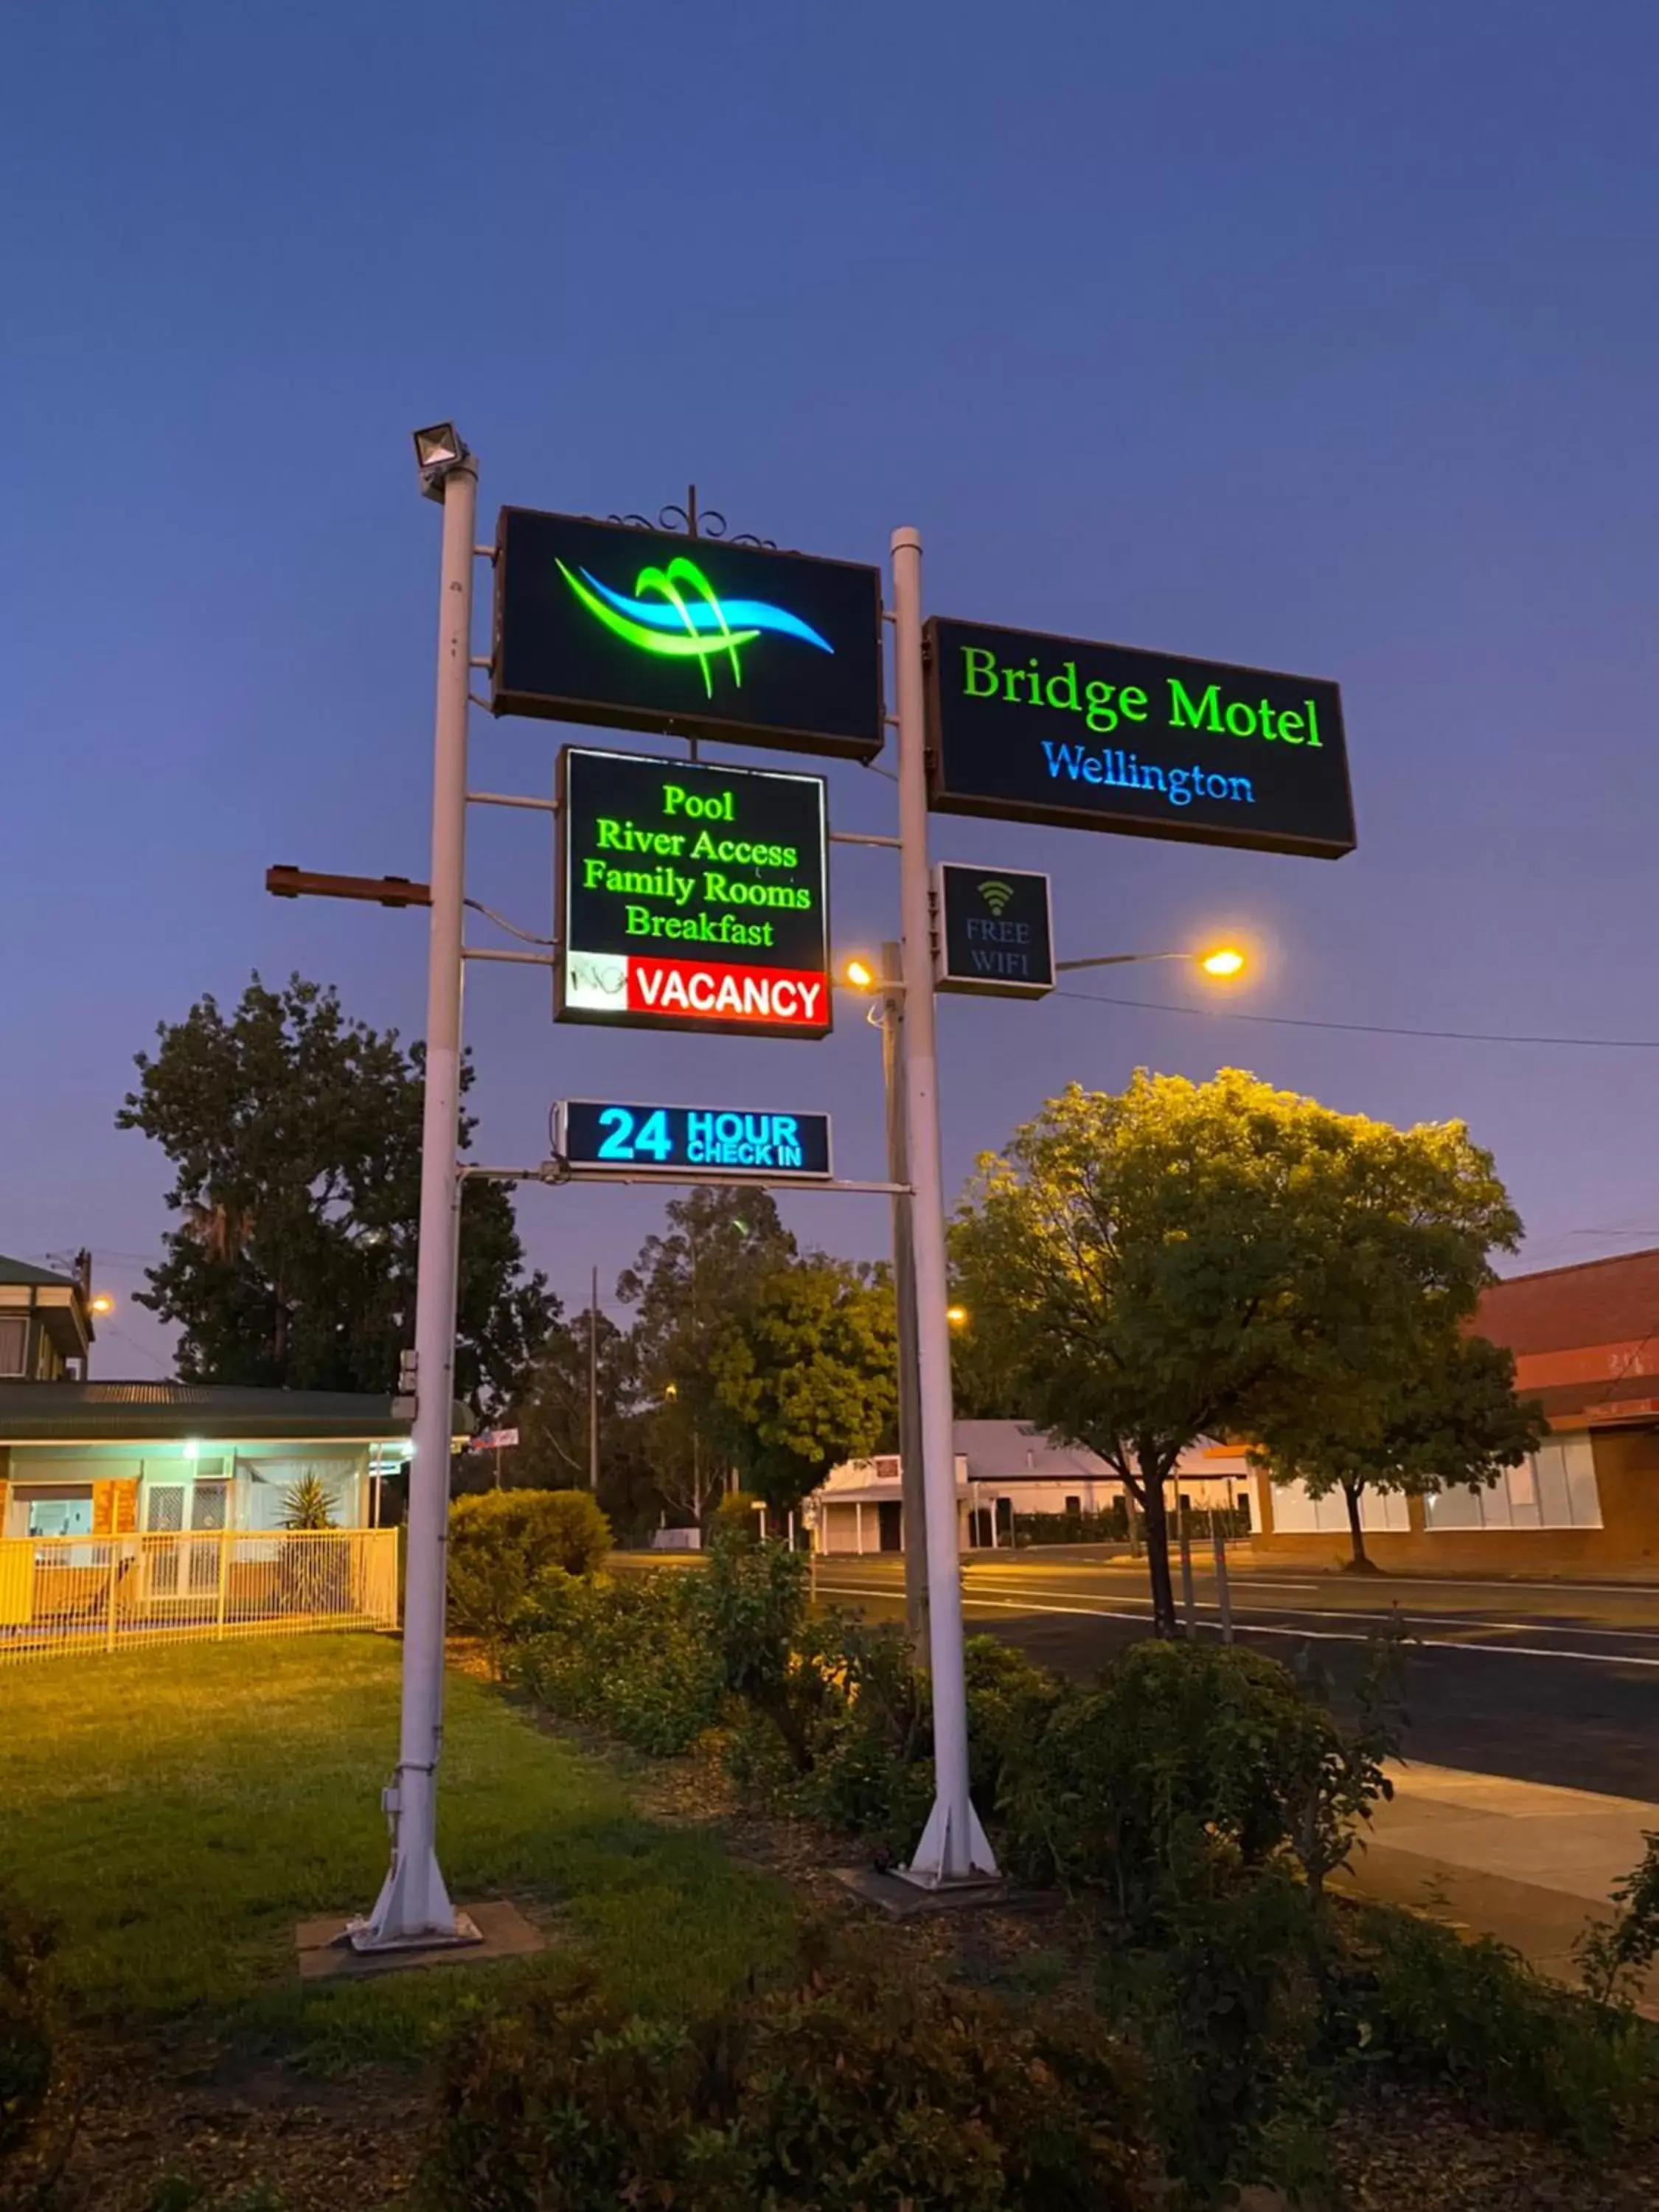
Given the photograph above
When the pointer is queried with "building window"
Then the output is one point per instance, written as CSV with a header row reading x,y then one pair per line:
x,y
887,1467
14,1343
1555,1488
56,1512
1381,1512
1074,1506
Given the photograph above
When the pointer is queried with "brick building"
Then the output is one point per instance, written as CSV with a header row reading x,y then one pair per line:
x,y
1586,1345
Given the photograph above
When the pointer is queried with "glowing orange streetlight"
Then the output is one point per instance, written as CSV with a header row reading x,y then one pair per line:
x,y
1225,960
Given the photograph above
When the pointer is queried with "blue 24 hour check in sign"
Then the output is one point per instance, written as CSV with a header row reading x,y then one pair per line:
x,y
718,1141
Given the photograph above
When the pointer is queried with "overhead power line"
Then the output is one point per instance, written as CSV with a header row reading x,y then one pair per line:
x,y
1366,1029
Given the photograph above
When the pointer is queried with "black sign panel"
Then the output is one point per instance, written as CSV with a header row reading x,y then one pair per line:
x,y
1033,728
718,1141
995,931
691,896
642,630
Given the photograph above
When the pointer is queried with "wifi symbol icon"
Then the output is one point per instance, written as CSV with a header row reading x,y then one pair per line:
x,y
996,894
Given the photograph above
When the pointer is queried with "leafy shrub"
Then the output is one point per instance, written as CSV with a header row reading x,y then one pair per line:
x,y
736,1517
1011,1700
27,2029
835,1719
1227,2010
1431,2005
1111,1527
1188,1765
869,1732
503,1542
845,2094
755,1601
630,1656
1614,1956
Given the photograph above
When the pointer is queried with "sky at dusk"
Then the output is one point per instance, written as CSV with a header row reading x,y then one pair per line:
x,y
1317,335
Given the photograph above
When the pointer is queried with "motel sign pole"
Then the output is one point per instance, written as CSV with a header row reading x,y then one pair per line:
x,y
413,1908
953,1847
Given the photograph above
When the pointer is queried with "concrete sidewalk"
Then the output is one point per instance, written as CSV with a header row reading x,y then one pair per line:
x,y
1522,1861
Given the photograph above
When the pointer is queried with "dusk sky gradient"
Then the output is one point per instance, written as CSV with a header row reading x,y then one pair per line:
x,y
1317,335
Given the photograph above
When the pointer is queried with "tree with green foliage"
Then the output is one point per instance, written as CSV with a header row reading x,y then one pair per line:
x,y
1220,1259
295,1136
804,1374
1451,1419
551,1412
985,1380
716,1245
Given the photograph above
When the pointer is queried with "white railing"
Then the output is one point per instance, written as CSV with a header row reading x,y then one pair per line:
x,y
99,1594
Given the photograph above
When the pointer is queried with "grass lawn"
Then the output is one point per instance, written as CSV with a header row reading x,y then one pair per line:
x,y
178,1811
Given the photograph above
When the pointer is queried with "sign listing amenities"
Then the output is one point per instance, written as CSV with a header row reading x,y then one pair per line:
x,y
1027,727
675,1140
691,896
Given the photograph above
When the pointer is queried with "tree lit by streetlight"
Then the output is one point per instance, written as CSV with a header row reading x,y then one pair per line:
x,y
1225,960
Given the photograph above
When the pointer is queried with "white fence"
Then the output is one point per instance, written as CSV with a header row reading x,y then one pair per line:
x,y
99,1594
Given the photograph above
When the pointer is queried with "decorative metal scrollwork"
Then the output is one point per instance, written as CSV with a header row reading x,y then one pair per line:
x,y
694,521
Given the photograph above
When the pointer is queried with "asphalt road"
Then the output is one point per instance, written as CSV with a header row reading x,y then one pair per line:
x,y
1554,1683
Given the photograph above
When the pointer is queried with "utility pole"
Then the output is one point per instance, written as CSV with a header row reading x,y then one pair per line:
x,y
593,1387
414,1908
953,1848
912,1485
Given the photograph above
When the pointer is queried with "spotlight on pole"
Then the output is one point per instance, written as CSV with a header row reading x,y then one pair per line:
x,y
438,449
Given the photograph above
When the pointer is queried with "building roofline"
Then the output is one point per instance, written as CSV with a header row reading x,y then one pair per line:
x,y
1576,1267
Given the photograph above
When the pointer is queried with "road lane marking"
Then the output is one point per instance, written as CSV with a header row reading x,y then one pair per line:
x,y
1242,1609
1305,1635
1251,1579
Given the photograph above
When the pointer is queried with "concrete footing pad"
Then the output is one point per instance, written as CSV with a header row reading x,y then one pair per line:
x,y
502,1932
902,1900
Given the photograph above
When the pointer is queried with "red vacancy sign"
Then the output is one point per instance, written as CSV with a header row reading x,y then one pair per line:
x,y
790,999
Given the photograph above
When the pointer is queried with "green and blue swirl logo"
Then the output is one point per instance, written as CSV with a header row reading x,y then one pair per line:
x,y
684,618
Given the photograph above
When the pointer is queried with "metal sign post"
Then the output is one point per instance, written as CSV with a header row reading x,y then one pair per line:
x,y
953,1848
913,1487
414,1908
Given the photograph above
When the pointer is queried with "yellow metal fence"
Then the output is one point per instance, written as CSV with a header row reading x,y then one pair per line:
x,y
90,1594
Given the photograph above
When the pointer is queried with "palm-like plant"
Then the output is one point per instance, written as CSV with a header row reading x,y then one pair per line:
x,y
308,1503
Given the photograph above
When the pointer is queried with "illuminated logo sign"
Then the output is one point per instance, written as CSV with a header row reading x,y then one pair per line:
x,y
1032,728
718,1141
992,932
698,628
642,630
691,896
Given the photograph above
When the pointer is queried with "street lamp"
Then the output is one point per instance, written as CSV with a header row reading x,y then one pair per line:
x,y
956,1315
1221,961
103,1304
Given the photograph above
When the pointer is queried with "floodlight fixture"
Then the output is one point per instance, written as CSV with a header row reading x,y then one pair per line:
x,y
439,449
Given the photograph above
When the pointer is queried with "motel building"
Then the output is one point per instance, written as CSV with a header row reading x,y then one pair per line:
x,y
1586,1346
1006,1470
127,1506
